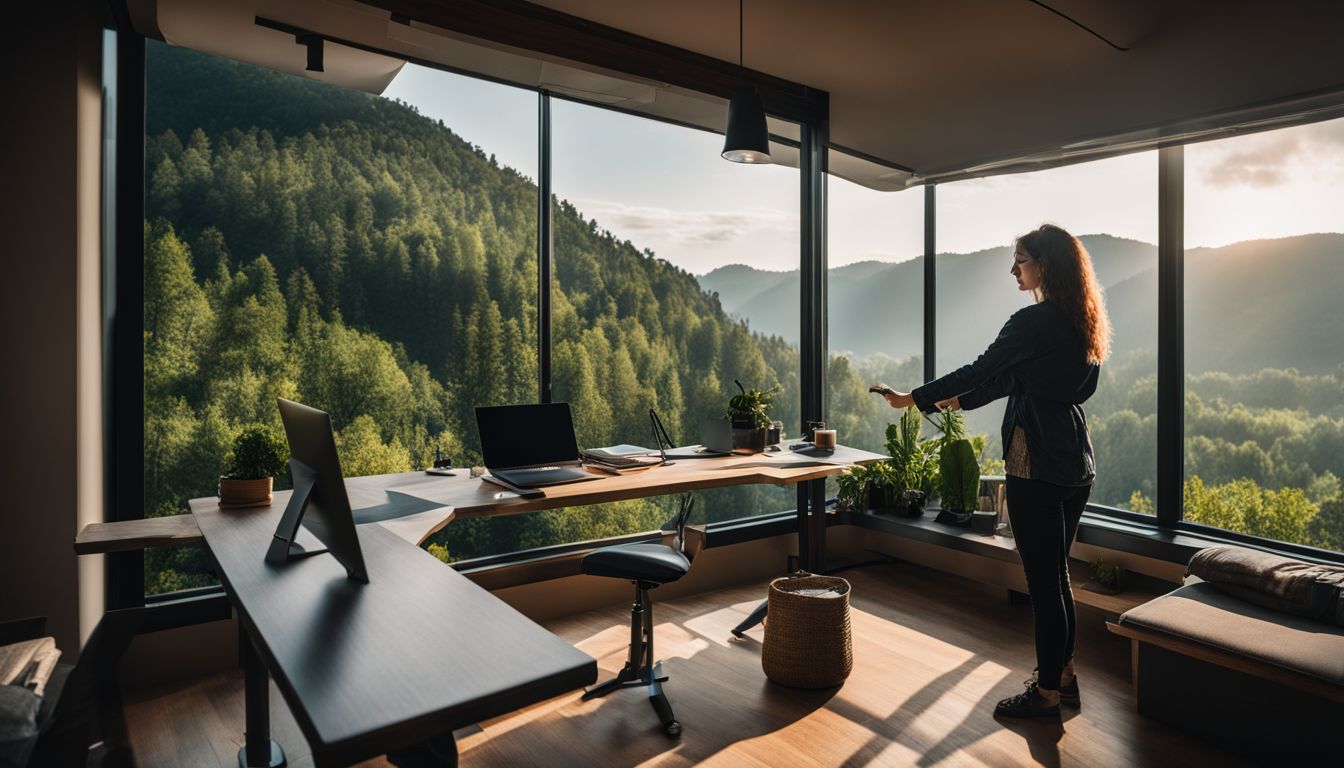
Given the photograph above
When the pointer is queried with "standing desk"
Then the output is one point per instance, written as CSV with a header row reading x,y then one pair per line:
x,y
421,650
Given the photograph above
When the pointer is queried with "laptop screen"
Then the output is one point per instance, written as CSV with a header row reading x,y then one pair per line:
x,y
526,435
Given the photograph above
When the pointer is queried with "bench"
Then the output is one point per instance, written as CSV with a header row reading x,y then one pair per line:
x,y
1257,681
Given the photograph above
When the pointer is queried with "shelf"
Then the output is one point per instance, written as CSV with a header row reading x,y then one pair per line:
x,y
129,535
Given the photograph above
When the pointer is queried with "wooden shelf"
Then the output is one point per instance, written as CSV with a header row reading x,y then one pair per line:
x,y
128,535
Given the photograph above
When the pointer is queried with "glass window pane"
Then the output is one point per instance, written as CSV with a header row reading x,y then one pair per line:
x,y
675,274
875,303
1264,426
1111,205
363,255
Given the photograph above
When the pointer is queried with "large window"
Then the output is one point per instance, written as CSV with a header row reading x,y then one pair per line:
x,y
352,252
676,273
1111,205
1264,395
875,327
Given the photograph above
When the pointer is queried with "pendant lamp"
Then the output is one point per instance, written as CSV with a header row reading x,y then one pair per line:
x,y
747,139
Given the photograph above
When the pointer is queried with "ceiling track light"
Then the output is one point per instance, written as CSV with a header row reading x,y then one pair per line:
x,y
747,139
312,40
314,43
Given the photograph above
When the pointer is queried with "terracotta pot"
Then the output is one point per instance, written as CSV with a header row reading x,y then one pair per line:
x,y
244,493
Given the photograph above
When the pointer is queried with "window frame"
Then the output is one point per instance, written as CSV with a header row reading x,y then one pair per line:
x,y
125,103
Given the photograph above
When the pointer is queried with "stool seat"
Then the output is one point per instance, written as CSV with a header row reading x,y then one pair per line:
x,y
643,562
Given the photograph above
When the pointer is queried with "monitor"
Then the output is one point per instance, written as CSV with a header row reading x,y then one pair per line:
x,y
319,502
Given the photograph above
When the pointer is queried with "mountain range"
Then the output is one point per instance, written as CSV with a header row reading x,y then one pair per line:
x,y
1250,305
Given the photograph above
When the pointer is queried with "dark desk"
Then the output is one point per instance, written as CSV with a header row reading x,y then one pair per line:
x,y
421,650
417,652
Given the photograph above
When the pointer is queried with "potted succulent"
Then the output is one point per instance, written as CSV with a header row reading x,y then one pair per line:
x,y
749,413
258,455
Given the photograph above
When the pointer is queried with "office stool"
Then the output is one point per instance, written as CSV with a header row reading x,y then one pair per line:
x,y
647,565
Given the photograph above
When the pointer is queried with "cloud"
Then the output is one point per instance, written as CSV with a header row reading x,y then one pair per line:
x,y
1256,161
649,226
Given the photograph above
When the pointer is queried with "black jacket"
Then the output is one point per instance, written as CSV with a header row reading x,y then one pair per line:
x,y
1040,362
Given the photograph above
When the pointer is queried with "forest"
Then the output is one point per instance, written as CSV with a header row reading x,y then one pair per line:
x,y
356,256
325,245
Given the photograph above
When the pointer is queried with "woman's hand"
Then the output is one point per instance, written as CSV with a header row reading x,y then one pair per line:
x,y
899,399
950,404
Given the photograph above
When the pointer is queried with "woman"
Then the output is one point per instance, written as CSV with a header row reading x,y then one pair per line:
x,y
1046,361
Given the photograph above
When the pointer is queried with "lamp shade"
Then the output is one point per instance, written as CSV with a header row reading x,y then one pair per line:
x,y
747,140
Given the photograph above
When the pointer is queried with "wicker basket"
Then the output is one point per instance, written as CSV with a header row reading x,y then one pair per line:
x,y
807,634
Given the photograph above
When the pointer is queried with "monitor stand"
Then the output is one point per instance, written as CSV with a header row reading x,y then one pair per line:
x,y
284,547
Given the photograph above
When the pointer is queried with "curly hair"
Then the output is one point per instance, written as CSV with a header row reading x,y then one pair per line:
x,y
1068,281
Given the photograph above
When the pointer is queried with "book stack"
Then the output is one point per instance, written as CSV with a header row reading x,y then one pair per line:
x,y
618,457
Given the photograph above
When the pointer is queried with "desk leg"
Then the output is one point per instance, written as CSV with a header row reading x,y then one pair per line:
x,y
816,518
260,751
811,542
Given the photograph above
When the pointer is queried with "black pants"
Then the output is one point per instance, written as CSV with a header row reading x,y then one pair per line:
x,y
1045,518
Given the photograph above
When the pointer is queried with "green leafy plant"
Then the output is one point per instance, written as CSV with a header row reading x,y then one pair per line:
x,y
1106,575
911,458
257,452
751,407
852,487
958,464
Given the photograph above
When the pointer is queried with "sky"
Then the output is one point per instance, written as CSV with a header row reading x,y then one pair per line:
x,y
666,189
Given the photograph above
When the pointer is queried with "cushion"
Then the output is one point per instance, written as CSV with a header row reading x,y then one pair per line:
x,y
18,724
645,562
1273,581
1204,613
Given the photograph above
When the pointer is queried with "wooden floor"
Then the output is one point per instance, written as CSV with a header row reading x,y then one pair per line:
x,y
932,652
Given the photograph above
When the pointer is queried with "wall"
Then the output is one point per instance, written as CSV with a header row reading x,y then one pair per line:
x,y
50,390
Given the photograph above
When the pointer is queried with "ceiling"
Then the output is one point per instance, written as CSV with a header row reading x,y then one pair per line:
x,y
918,90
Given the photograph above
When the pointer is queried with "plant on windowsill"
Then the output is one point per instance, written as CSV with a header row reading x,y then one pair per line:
x,y
1105,578
898,485
958,470
258,455
749,413
912,466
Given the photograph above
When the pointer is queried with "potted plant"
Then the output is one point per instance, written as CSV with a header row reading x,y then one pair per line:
x,y
852,487
1105,578
958,470
905,489
258,455
749,413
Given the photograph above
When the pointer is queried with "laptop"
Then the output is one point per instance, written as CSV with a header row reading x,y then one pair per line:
x,y
716,440
530,445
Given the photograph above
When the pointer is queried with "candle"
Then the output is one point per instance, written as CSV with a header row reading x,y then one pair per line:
x,y
824,438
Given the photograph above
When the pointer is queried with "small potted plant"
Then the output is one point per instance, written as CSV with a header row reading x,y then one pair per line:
x,y
958,471
749,413
911,463
852,487
258,455
1105,577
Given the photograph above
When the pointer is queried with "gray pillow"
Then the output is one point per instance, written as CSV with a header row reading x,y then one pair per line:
x,y
18,724
1273,581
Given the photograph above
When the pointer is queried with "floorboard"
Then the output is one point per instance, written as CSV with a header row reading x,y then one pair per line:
x,y
932,652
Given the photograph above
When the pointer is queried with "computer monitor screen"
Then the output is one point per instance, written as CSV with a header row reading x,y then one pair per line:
x,y
319,499
526,435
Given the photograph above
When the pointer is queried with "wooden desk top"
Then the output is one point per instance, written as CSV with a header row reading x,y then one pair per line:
x,y
414,508
393,499
418,651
